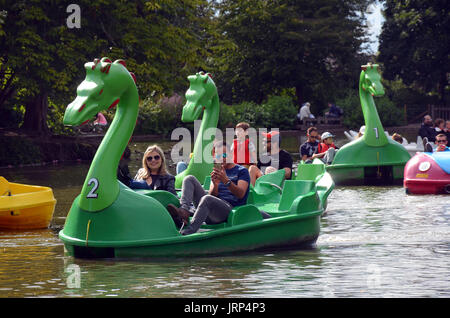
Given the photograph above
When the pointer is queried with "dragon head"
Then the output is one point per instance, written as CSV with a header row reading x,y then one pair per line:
x,y
372,80
199,95
105,82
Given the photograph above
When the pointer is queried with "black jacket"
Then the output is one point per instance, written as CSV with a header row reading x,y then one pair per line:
x,y
159,182
429,132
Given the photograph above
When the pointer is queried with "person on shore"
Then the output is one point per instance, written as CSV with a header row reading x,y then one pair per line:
x,y
305,112
243,149
427,130
100,122
326,149
333,111
309,148
277,158
153,175
441,144
398,138
229,188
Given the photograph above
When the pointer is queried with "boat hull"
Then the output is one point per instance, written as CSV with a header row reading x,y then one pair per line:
x,y
424,175
26,208
147,230
291,232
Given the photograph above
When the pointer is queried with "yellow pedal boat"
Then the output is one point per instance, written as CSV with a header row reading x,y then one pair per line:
x,y
25,207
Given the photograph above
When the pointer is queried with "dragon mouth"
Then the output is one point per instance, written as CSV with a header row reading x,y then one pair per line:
x,y
191,112
77,113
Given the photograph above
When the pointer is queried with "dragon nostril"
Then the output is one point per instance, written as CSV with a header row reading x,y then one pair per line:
x,y
101,92
81,108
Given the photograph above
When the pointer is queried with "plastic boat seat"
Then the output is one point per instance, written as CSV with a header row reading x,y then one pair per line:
x,y
244,214
163,197
292,190
270,183
207,183
310,171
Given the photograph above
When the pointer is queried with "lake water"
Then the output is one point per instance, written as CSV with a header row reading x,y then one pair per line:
x,y
374,242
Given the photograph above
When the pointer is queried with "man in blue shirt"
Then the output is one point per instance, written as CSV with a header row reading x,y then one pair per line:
x,y
229,188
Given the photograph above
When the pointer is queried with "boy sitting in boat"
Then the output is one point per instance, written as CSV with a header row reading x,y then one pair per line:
x,y
229,188
441,143
276,159
326,149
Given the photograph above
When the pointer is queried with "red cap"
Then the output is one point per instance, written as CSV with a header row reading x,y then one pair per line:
x,y
271,134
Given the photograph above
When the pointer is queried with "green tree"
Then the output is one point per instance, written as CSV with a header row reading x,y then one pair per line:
x,y
415,44
41,58
266,46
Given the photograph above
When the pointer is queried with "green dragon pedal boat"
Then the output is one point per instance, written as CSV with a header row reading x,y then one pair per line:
x,y
372,159
109,220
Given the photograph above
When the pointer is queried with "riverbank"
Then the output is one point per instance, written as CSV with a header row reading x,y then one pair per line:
x,y
21,149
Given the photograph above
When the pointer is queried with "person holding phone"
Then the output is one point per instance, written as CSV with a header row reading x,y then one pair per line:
x,y
229,188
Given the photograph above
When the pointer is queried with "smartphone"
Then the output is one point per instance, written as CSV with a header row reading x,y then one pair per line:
x,y
218,165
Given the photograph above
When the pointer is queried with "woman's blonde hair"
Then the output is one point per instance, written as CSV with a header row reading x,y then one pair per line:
x,y
144,172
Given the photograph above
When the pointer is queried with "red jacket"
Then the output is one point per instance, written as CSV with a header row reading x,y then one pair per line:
x,y
324,147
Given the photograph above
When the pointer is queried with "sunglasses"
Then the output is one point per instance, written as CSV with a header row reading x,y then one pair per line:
x,y
150,158
441,140
315,137
218,156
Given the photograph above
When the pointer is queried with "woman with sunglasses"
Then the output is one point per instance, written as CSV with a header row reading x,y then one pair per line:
x,y
153,175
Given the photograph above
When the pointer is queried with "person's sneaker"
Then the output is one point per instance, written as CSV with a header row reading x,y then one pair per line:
x,y
427,147
188,230
426,144
180,216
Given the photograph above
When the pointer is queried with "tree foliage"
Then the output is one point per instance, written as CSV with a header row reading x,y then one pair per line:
x,y
42,58
265,46
415,44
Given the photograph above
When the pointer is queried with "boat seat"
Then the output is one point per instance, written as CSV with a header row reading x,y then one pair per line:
x,y
268,188
207,183
4,187
244,214
163,197
310,171
292,190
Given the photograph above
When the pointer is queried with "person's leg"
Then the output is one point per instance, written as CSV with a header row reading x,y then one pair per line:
x,y
211,210
181,166
255,173
271,169
329,156
192,192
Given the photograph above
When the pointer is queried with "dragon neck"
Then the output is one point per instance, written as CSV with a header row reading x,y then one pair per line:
x,y
209,120
374,133
198,166
101,187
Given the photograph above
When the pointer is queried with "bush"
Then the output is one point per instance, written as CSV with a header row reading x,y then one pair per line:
x,y
277,112
159,117
390,114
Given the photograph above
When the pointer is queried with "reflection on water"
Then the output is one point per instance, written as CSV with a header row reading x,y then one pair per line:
x,y
375,242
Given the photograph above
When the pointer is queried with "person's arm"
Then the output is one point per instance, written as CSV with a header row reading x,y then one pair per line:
x,y
170,185
141,184
214,186
238,190
286,164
